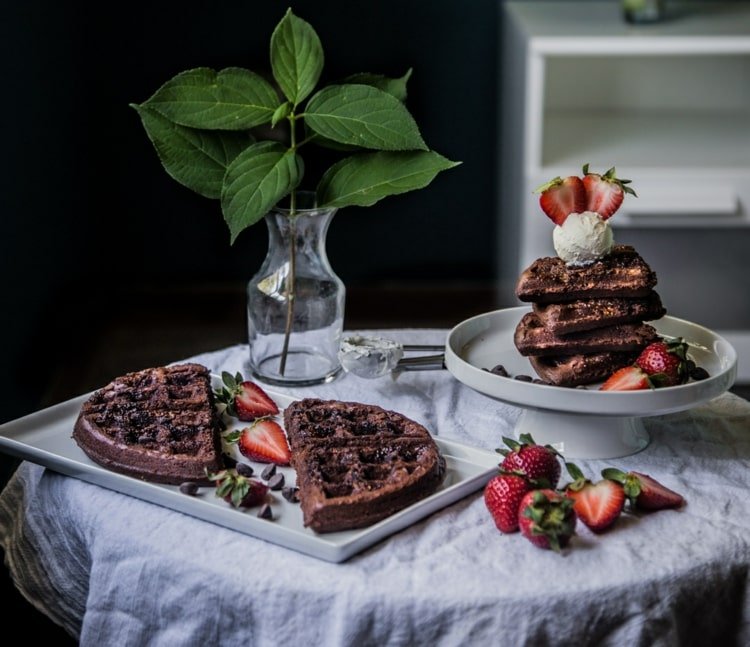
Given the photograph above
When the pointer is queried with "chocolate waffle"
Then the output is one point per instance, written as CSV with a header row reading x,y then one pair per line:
x,y
357,463
574,370
158,424
331,422
532,338
621,273
586,314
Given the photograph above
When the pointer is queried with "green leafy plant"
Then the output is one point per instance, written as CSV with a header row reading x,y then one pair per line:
x,y
235,136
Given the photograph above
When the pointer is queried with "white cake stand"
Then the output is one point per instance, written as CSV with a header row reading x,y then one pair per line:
x,y
582,423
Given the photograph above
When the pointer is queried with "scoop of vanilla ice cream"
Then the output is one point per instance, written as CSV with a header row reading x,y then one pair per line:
x,y
583,238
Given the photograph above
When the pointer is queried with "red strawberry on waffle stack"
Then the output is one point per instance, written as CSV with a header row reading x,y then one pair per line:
x,y
562,196
605,192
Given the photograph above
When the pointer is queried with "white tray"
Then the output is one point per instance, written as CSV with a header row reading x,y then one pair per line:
x,y
45,438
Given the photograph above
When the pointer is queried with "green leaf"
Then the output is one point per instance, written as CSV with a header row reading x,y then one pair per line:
x,y
194,158
296,57
363,179
255,181
282,112
363,116
324,142
232,99
394,87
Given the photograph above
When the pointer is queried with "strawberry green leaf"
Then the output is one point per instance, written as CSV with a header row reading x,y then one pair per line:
x,y
255,181
575,472
240,487
394,87
232,99
364,116
232,436
228,379
364,178
296,57
197,159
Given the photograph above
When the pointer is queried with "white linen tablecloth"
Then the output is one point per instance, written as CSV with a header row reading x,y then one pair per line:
x,y
116,570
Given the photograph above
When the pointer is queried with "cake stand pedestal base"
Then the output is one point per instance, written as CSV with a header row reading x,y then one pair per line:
x,y
584,436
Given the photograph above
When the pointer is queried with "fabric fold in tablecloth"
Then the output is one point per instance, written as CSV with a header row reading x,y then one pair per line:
x,y
134,573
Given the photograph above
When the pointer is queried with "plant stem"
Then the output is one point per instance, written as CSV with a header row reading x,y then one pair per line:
x,y
291,279
290,284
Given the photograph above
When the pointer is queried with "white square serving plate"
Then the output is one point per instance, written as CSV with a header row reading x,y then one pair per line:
x,y
45,438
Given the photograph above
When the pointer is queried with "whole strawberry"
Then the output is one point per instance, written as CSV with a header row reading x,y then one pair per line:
x,y
644,491
547,519
605,192
239,490
502,496
665,362
539,463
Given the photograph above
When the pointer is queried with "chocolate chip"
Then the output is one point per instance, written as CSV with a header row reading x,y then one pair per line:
x,y
229,462
243,469
290,493
276,482
699,373
269,471
499,370
524,378
536,380
189,488
265,512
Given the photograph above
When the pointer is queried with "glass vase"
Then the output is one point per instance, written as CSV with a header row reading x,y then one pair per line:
x,y
295,302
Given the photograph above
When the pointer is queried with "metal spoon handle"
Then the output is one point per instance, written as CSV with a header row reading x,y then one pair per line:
x,y
411,347
423,363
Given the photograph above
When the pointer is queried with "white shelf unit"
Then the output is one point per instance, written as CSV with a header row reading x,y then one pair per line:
x,y
668,104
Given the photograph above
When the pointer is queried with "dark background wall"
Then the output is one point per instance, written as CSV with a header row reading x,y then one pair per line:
x,y
87,208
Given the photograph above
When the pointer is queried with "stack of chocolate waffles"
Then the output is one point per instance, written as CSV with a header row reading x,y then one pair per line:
x,y
586,321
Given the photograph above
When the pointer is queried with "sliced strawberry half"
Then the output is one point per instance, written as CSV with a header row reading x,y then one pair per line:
x,y
605,192
629,378
598,505
561,197
245,399
265,441
644,491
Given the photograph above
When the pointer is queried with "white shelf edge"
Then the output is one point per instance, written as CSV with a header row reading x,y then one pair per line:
x,y
636,45
675,222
